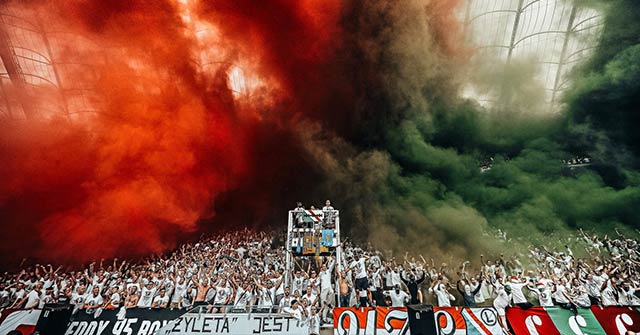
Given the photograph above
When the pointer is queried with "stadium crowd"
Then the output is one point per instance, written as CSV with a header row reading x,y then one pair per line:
x,y
245,271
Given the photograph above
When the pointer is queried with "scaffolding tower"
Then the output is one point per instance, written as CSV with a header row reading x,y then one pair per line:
x,y
312,233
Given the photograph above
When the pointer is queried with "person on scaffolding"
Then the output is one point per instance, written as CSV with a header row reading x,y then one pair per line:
x,y
298,215
328,220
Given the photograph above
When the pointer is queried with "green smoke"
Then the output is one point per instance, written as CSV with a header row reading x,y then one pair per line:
x,y
602,105
418,186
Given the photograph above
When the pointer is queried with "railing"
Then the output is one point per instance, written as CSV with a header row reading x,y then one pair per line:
x,y
233,309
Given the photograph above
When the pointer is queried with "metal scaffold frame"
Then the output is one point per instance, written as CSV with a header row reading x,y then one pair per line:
x,y
314,231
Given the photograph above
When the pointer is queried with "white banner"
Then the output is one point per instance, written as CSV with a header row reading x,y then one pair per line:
x,y
12,319
235,324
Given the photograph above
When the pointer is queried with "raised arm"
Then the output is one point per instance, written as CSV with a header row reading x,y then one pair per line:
x,y
479,286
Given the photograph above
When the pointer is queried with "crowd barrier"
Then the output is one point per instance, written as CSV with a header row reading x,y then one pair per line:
x,y
484,321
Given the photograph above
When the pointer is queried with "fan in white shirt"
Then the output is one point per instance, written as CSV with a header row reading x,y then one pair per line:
x,y
114,300
243,297
296,311
442,294
500,303
286,299
48,297
326,287
161,300
93,301
608,294
311,294
178,292
314,322
397,296
146,295
516,293
33,298
78,298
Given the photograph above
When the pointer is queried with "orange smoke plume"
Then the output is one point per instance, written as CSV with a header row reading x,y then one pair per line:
x,y
163,139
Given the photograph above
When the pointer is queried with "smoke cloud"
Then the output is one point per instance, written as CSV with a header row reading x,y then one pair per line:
x,y
163,142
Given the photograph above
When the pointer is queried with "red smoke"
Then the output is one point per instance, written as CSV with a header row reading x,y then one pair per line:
x,y
169,143
125,180
293,44
168,136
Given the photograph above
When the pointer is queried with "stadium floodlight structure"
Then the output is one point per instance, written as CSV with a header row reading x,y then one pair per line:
x,y
23,65
556,34
312,233
34,81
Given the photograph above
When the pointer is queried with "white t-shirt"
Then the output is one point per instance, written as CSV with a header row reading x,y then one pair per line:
x,y
397,298
93,300
360,268
310,297
33,300
4,295
559,294
314,324
222,293
178,292
516,293
395,278
599,280
242,297
325,280
286,301
296,313
502,299
298,284
45,299
161,299
266,298
557,270
115,300
388,280
211,293
631,297
146,297
443,296
478,297
592,288
581,297
544,297
187,296
279,289
47,283
78,300
376,279
608,297
17,295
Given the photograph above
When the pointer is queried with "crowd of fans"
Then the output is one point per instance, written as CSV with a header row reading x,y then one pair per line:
x,y
245,271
